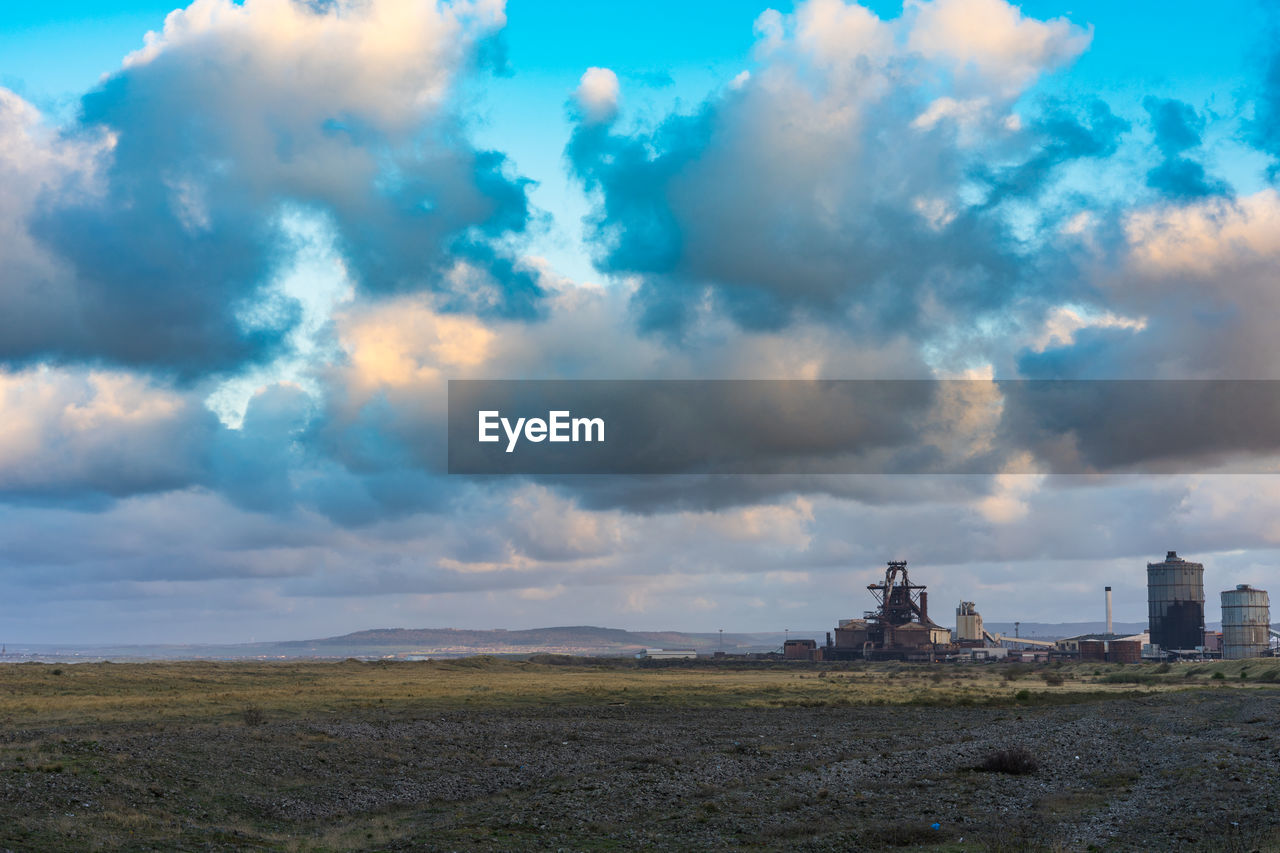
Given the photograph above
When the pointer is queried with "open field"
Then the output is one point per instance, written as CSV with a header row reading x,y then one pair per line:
x,y
487,754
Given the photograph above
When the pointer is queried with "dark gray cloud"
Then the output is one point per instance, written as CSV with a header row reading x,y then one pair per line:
x,y
1178,128
1264,130
1143,425
1063,133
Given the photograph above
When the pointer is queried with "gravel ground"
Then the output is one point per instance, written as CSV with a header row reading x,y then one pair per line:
x,y
1198,770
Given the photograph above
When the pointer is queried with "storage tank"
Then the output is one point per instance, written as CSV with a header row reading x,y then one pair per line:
x,y
1175,602
1246,622
1095,650
1124,651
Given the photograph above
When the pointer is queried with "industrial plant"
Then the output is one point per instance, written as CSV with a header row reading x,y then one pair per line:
x,y
899,627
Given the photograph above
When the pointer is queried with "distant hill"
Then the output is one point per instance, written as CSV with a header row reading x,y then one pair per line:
x,y
414,643
569,639
584,640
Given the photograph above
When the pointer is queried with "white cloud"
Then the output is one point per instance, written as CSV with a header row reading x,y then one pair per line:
x,y
969,116
597,95
833,32
115,433
1009,502
994,38
1205,237
383,60
1064,321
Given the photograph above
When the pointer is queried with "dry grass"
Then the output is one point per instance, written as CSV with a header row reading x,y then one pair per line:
x,y
30,694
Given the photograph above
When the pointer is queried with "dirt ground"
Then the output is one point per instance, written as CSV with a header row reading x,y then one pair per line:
x,y
1144,769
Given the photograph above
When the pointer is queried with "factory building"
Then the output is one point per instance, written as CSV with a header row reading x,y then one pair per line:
x,y
968,623
1246,623
801,650
1106,647
1175,603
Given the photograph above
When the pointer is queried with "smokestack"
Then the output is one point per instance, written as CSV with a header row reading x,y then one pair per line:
x,y
924,607
1109,610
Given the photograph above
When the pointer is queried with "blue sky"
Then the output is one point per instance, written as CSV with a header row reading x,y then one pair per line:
x,y
239,269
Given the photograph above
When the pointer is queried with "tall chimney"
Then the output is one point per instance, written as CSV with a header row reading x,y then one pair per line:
x,y
924,607
1109,610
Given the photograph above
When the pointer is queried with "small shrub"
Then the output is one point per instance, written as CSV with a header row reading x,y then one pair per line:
x,y
1053,679
1218,676
1015,671
253,716
545,658
1023,696
57,672
1164,667
1130,678
1016,761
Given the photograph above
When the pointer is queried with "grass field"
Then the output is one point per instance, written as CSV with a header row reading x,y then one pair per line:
x,y
87,694
498,754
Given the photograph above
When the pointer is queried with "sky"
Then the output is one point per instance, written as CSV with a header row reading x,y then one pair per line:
x,y
245,245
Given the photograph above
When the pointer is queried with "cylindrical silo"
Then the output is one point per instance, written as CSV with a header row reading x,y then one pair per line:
x,y
1175,602
1124,651
1246,622
1093,650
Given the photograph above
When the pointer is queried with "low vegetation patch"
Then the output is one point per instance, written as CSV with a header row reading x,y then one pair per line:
x,y
1016,761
